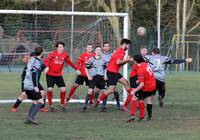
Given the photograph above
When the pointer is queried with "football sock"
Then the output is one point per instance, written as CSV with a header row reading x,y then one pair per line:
x,y
141,109
133,107
104,102
50,96
35,109
149,110
86,99
17,103
96,95
71,92
128,99
30,110
43,105
62,97
91,97
101,97
129,90
116,94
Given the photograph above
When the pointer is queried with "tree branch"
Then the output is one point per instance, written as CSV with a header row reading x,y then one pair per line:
x,y
190,11
194,27
104,5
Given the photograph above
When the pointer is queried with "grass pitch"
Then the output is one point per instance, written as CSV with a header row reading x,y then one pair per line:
x,y
178,120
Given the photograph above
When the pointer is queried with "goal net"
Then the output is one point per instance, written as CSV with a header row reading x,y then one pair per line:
x,y
22,30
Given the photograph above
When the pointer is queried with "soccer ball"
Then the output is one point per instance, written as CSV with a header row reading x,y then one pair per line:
x,y
141,31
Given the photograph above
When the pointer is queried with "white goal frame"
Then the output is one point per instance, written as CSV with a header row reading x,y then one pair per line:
x,y
71,13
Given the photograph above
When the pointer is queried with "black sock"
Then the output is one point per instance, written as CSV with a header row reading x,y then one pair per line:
x,y
17,103
104,102
35,110
30,110
96,95
116,94
86,100
149,110
43,105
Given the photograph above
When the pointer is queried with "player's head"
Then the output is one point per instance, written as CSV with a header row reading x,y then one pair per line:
x,y
106,46
125,43
143,50
38,51
26,57
138,58
155,51
98,51
60,46
89,48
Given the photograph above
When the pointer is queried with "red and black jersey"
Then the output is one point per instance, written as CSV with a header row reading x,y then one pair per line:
x,y
80,64
55,61
134,70
112,65
146,76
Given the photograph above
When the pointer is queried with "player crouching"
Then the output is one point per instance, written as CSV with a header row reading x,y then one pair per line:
x,y
96,73
145,89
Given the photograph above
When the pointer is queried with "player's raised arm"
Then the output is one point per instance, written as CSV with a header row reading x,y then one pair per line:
x,y
177,61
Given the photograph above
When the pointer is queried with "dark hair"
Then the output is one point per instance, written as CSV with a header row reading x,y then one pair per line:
x,y
125,41
156,50
59,42
143,47
106,42
38,51
32,54
138,58
97,47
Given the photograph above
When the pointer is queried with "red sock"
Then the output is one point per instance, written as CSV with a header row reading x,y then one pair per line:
x,y
71,92
128,99
101,98
50,96
91,98
133,107
141,108
129,90
62,97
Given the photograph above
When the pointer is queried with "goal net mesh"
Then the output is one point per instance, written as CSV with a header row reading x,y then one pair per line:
x,y
20,34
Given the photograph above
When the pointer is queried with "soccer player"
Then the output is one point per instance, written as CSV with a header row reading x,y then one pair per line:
x,y
54,63
117,60
22,96
133,79
145,89
82,76
106,55
31,87
157,63
96,73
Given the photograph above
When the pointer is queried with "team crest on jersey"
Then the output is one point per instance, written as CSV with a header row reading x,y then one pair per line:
x,y
56,57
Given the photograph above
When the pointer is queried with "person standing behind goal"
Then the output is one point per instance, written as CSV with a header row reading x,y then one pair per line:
x,y
54,63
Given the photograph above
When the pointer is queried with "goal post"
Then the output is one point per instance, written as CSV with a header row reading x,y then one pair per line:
x,y
124,16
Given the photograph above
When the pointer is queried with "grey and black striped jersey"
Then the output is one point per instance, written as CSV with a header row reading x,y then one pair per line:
x,y
32,73
106,56
157,64
96,66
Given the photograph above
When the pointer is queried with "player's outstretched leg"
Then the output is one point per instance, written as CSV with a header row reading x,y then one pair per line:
x,y
18,101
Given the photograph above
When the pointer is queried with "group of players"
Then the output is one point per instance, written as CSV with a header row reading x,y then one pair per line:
x,y
101,72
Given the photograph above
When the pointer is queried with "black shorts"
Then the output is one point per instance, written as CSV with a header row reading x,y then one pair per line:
x,y
39,86
141,95
113,78
133,82
52,80
32,95
160,86
98,82
81,79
